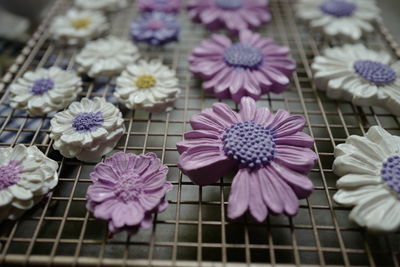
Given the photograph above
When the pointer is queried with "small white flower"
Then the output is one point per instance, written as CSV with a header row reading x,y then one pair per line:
x,y
78,26
106,56
150,86
347,19
87,130
101,5
45,90
370,170
26,175
362,76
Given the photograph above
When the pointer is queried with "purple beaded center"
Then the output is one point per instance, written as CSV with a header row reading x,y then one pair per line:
x,y
250,143
229,4
9,174
155,24
87,121
391,173
338,8
243,56
129,187
41,86
375,72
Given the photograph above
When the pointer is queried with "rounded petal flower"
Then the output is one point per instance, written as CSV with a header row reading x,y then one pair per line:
x,y
167,6
101,5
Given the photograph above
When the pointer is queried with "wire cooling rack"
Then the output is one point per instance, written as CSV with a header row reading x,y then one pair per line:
x,y
194,231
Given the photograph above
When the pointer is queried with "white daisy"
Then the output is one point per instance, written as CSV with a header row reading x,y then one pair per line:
x,y
347,19
101,5
362,76
87,130
151,86
78,26
370,170
45,90
106,56
26,175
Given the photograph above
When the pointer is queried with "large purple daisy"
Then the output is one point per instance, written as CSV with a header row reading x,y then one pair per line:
x,y
251,67
167,6
272,154
235,15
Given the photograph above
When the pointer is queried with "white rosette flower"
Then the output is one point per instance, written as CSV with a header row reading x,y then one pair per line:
x,y
26,175
45,90
150,86
87,130
347,19
360,75
78,26
101,5
370,179
106,56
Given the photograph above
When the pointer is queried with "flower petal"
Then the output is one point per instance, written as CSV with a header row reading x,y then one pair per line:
x,y
226,113
297,158
104,209
270,194
99,192
296,139
257,207
289,125
351,197
104,172
20,192
5,197
127,214
248,109
239,196
357,180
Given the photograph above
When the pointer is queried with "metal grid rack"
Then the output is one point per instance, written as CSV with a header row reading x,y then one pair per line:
x,y
194,231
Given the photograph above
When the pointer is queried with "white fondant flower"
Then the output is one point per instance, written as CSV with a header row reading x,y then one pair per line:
x,y
362,76
101,5
339,18
78,26
151,86
45,90
106,56
26,175
87,130
370,170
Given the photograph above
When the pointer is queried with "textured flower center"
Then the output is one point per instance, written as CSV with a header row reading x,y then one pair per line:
x,y
87,121
243,56
375,72
229,4
250,143
338,8
9,174
145,81
155,24
128,188
41,86
81,23
391,173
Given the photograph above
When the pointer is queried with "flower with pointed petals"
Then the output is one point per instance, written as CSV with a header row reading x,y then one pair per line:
x,y
271,151
251,67
127,190
166,6
369,170
101,5
360,75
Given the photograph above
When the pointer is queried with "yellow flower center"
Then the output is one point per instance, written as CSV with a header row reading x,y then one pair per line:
x,y
145,81
81,23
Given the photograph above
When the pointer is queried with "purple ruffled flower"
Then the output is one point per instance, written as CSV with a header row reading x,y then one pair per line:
x,y
251,67
167,6
155,28
127,189
272,154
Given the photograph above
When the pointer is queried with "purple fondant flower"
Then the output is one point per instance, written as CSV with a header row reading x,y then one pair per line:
x,y
251,67
155,28
270,150
235,15
167,6
127,189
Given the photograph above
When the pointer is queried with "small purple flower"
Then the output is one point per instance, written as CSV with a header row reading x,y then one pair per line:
x,y
167,6
155,28
272,154
127,189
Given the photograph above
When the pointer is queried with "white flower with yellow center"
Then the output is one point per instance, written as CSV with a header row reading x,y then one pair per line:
x,y
101,5
78,26
150,86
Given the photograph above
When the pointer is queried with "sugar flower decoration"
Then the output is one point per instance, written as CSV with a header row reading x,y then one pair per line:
x,y
26,175
251,67
101,5
127,190
235,15
151,86
270,151
87,130
347,19
45,90
360,75
155,28
108,56
78,26
370,179
166,6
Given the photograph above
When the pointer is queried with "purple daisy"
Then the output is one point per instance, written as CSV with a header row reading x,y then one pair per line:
x,y
271,152
251,67
155,28
127,189
167,6
235,15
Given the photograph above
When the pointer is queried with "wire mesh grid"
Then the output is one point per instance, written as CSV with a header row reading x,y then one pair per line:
x,y
194,231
